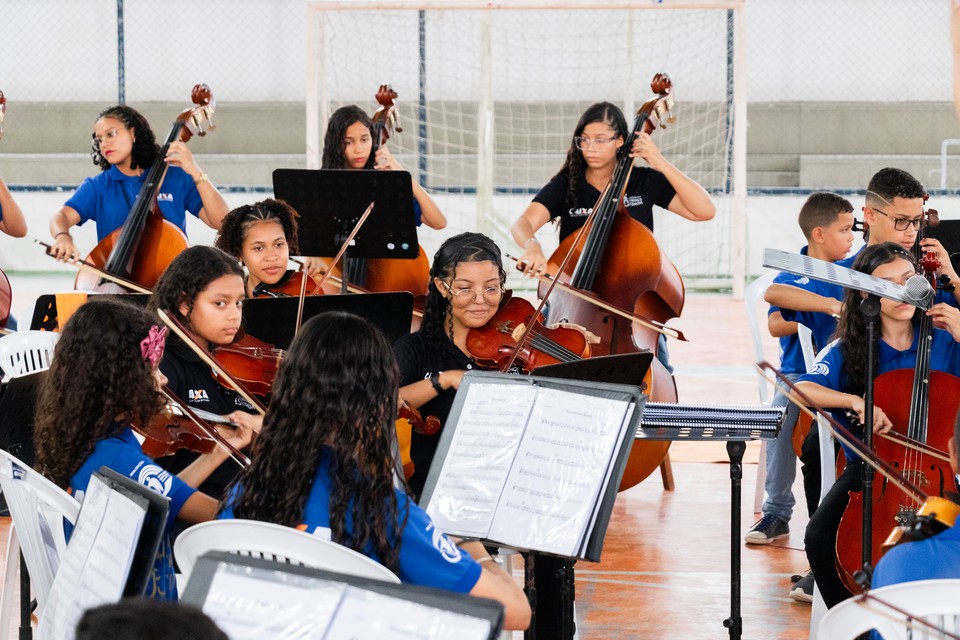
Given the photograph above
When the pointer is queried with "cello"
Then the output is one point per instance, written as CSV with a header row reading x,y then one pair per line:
x,y
924,431
142,248
617,258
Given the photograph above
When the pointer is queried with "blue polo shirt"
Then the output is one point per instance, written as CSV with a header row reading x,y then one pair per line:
x,y
934,558
829,372
427,556
123,454
108,197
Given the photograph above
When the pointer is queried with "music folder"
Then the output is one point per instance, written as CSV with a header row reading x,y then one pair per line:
x,y
532,463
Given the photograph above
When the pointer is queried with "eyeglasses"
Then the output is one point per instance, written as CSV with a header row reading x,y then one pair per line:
x,y
109,135
901,224
583,142
490,295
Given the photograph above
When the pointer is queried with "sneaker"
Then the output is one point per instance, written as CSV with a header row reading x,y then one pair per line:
x,y
802,589
767,529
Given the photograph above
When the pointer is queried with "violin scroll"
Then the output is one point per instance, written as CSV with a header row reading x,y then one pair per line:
x,y
385,118
198,120
428,427
659,109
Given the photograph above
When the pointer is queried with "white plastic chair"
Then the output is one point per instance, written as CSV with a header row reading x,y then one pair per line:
x,y
937,601
39,509
752,294
26,352
273,542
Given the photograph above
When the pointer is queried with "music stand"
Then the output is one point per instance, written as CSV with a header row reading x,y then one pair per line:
x,y
272,319
330,201
17,406
555,576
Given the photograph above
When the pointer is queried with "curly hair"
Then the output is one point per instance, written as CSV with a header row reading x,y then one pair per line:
x,y
98,383
235,225
852,328
333,140
190,273
145,147
575,166
464,247
336,391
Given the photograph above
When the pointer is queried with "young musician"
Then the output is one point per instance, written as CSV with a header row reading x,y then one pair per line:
x,y
203,288
594,152
12,221
325,459
261,236
466,286
103,379
837,382
124,148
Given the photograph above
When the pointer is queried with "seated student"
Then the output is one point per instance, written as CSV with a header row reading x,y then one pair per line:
x,y
837,383
933,558
137,619
104,378
124,148
331,418
203,288
262,236
826,220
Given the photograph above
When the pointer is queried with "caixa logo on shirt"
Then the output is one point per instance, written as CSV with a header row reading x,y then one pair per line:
x,y
580,212
197,395
164,197
633,201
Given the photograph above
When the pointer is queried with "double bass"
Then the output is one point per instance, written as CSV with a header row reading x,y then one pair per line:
x,y
147,243
617,258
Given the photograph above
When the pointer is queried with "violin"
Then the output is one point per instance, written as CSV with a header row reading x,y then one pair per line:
x,y
931,430
251,361
617,259
289,286
387,274
496,343
178,427
147,243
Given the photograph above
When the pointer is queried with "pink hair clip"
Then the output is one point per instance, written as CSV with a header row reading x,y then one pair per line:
x,y
151,347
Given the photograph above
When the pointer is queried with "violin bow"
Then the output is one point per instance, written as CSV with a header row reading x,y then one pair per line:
x,y
83,265
237,455
343,249
181,332
659,327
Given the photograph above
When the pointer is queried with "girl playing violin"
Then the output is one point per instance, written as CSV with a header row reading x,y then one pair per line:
x,y
261,236
837,382
466,286
203,288
105,376
124,148
331,419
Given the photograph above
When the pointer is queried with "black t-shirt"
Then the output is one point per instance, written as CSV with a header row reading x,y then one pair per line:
x,y
646,187
191,380
419,359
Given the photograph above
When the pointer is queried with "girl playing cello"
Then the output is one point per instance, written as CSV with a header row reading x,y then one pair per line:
x,y
331,420
837,382
261,236
105,375
124,148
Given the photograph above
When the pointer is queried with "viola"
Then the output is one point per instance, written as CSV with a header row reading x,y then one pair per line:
x,y
177,427
386,274
930,430
617,258
251,361
496,342
147,243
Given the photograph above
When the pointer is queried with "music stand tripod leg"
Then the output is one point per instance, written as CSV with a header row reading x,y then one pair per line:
x,y
735,449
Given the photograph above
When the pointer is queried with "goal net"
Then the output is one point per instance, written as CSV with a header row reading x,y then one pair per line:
x,y
488,101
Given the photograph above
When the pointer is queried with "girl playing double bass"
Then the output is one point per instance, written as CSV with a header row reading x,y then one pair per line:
x,y
262,236
465,289
105,375
124,147
837,382
325,459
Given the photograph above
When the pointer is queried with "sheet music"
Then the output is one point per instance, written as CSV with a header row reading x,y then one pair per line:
x,y
564,458
834,273
398,619
478,461
96,563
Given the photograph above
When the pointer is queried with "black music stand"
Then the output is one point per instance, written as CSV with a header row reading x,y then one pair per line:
x,y
17,407
45,313
550,581
273,319
331,201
